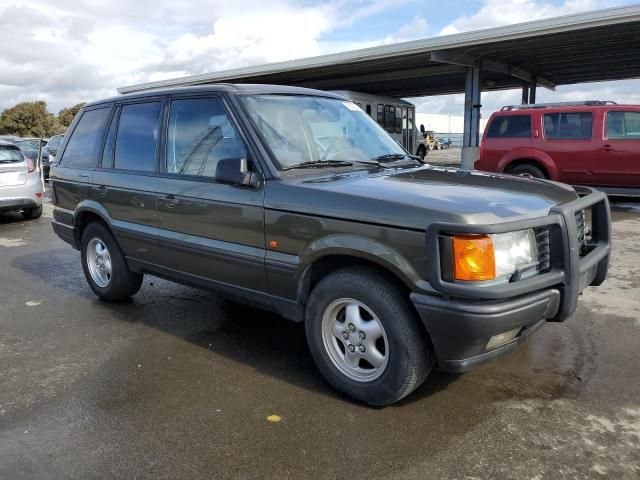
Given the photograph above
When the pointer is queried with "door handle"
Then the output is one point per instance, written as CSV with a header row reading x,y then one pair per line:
x,y
607,148
102,191
171,201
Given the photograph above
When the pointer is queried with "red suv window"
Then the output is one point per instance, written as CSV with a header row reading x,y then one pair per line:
x,y
623,125
568,126
510,126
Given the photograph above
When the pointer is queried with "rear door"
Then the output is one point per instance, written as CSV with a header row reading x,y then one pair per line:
x,y
209,230
618,161
125,185
568,139
79,159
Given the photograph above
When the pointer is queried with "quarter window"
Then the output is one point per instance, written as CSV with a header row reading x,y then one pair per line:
x,y
82,148
137,137
623,125
200,134
568,126
510,126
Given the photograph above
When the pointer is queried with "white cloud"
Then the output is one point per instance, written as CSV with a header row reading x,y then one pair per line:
x,y
74,50
494,13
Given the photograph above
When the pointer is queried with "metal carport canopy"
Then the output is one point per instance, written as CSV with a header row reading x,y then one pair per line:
x,y
588,47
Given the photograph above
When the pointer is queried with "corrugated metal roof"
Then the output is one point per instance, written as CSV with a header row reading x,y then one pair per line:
x,y
587,47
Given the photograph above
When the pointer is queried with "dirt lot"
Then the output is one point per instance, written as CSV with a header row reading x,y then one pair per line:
x,y
179,383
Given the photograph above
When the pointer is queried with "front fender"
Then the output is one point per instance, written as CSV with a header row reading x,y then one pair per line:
x,y
360,247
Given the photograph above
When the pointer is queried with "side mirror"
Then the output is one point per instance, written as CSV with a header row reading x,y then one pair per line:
x,y
235,171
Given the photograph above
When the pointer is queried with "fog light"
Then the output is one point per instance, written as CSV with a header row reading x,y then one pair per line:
x,y
502,338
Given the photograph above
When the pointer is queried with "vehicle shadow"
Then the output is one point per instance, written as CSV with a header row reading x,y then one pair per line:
x,y
261,340
10,217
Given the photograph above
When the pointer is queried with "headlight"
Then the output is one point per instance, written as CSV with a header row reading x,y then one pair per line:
x,y
513,250
488,257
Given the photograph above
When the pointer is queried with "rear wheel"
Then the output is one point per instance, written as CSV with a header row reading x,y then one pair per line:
x,y
364,336
32,213
104,265
527,169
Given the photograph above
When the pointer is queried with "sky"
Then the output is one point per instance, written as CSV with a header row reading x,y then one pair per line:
x,y
67,51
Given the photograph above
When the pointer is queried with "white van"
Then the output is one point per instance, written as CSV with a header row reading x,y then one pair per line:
x,y
396,116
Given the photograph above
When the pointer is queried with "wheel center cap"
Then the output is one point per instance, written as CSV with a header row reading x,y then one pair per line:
x,y
354,339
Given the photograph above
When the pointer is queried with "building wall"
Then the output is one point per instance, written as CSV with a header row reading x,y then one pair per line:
x,y
440,123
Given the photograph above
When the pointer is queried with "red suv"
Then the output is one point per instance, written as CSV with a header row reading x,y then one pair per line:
x,y
590,143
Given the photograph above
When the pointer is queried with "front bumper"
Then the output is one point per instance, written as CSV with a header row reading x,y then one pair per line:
x,y
463,318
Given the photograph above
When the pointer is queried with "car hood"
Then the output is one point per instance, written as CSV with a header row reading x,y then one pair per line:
x,y
416,197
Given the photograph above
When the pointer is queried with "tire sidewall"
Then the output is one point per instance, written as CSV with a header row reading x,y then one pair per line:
x,y
529,169
383,389
118,287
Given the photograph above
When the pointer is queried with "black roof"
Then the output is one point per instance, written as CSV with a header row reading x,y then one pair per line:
x,y
221,87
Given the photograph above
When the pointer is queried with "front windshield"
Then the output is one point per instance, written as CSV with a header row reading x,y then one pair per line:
x,y
298,129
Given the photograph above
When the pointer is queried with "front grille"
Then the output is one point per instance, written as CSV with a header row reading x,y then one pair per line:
x,y
544,249
580,224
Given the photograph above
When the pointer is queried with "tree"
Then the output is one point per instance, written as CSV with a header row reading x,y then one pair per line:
x,y
66,115
29,119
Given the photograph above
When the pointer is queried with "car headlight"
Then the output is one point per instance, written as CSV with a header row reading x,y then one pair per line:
x,y
489,257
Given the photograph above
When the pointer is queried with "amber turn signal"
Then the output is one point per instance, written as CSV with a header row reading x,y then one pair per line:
x,y
473,258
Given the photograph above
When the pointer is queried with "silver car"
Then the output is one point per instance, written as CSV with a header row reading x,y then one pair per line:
x,y
21,183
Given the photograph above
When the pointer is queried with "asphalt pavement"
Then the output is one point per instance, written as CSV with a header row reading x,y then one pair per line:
x,y
179,383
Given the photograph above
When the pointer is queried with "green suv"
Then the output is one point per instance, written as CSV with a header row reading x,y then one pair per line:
x,y
296,201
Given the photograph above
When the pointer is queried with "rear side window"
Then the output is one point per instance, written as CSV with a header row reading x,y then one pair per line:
x,y
82,148
10,154
200,134
137,137
510,126
623,125
568,126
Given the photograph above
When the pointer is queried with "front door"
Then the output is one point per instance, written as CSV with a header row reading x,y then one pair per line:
x,y
209,231
569,141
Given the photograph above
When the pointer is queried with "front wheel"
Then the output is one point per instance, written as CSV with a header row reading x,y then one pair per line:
x,y
365,338
105,267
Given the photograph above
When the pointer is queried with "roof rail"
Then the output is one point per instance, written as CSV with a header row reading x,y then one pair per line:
x,y
586,103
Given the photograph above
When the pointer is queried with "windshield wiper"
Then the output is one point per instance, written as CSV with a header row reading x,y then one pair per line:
x,y
320,164
391,157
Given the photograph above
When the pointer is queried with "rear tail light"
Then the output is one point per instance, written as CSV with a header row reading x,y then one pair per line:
x,y
31,165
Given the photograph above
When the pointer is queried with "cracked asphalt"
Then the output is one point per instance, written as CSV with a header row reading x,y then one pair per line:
x,y
178,383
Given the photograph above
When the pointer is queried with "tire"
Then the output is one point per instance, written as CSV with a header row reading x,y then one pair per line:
x,y
422,152
527,169
384,326
114,281
32,213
